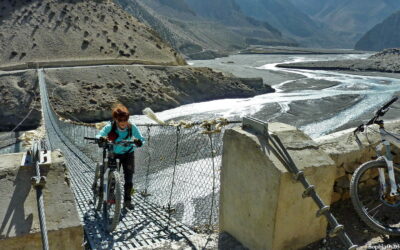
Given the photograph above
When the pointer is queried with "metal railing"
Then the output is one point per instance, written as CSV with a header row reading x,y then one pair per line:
x,y
38,182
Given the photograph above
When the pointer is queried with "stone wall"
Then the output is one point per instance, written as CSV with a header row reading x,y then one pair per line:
x,y
19,223
348,155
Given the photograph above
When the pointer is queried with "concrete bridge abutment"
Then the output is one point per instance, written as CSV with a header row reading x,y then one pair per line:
x,y
260,204
19,220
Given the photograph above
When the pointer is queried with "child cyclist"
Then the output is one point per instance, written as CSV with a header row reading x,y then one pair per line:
x,y
121,129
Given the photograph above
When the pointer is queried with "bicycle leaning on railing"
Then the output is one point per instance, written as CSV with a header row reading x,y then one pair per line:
x,y
106,186
374,187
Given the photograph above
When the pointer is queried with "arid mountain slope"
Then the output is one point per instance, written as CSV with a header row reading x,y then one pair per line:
x,y
204,28
87,94
70,30
44,30
382,36
293,22
350,18
19,100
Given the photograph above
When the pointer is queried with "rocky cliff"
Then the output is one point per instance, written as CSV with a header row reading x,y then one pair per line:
x,y
74,30
19,100
384,35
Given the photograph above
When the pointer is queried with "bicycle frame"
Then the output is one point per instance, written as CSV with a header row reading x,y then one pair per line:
x,y
110,168
108,155
386,138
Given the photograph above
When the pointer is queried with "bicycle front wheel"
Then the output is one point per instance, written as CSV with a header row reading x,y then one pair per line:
x,y
97,188
373,202
112,207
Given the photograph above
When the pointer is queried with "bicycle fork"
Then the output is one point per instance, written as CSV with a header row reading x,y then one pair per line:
x,y
106,175
105,180
389,162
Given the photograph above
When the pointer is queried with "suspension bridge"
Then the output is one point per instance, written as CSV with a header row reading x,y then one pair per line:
x,y
176,180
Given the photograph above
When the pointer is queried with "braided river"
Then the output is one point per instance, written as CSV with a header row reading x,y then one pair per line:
x,y
318,102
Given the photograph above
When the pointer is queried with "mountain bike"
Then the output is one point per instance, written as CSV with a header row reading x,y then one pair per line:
x,y
106,186
374,187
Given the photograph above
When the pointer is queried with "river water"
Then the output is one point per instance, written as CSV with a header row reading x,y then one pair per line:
x,y
317,102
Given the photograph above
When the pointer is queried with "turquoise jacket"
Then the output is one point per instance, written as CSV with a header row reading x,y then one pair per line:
x,y
119,149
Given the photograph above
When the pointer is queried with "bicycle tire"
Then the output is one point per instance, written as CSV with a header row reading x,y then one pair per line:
x,y
96,187
115,190
376,197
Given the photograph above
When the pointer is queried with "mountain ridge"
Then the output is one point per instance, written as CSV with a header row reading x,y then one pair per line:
x,y
201,28
382,36
294,23
349,19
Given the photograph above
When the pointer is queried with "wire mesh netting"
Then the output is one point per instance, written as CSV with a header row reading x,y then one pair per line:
x,y
177,168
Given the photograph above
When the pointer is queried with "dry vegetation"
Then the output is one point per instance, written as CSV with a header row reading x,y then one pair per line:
x,y
75,30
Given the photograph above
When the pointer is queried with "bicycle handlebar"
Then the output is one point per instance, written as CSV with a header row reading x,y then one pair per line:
x,y
380,112
97,140
90,138
390,103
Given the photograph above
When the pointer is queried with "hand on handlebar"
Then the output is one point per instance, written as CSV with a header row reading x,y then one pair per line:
x,y
137,142
103,139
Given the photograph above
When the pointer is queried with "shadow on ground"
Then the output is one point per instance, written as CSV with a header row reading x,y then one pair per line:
x,y
357,230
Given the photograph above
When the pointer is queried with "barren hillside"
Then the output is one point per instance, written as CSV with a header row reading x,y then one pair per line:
x,y
43,30
70,30
19,96
87,94
204,29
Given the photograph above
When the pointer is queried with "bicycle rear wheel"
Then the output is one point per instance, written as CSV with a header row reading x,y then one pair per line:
x,y
373,204
112,206
97,188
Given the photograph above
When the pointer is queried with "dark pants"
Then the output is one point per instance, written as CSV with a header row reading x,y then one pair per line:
x,y
128,164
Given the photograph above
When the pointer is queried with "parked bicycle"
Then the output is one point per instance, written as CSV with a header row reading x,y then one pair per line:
x,y
106,187
374,187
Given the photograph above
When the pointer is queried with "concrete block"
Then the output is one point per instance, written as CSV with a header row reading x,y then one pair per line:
x,y
260,203
19,221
